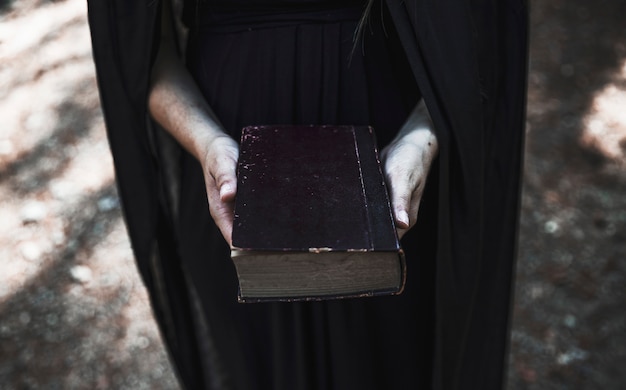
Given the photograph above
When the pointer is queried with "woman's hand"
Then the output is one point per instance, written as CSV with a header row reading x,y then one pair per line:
x,y
406,163
220,165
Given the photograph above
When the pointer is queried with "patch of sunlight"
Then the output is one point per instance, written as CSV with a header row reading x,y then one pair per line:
x,y
605,124
33,226
45,61
26,32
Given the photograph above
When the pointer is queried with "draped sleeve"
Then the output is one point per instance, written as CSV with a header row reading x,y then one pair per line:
x,y
469,59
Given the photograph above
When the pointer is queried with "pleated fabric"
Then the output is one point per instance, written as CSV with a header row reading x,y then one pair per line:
x,y
294,62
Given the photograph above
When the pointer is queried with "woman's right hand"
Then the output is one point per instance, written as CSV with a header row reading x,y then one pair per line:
x,y
220,176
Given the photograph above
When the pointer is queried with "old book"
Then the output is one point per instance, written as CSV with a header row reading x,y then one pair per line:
x,y
312,216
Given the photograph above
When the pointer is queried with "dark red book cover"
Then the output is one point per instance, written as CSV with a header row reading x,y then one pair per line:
x,y
311,189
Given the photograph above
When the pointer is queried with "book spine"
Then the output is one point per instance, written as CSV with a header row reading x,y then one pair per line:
x,y
376,196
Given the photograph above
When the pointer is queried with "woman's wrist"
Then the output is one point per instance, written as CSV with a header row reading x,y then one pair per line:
x,y
418,129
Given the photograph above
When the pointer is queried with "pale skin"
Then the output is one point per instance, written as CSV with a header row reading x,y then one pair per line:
x,y
176,103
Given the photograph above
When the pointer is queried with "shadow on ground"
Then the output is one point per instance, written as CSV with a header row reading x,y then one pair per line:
x,y
76,315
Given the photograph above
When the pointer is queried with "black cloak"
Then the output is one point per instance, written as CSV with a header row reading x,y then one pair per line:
x,y
469,59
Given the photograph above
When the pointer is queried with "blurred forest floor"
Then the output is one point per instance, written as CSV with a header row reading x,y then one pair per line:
x,y
74,314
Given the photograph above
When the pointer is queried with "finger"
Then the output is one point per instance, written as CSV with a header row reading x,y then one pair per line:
x,y
413,213
228,191
402,218
222,213
225,176
400,191
221,165
414,204
224,221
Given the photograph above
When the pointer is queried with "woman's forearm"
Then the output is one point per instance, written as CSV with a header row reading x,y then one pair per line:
x,y
175,101
176,104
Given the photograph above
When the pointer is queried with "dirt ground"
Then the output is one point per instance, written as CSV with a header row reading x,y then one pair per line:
x,y
74,314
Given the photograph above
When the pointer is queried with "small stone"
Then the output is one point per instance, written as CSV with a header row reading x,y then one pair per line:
x,y
143,342
52,319
45,297
563,359
24,318
58,237
72,245
81,273
157,372
551,227
33,211
536,292
30,250
570,321
107,203
571,356
26,354
4,330
62,189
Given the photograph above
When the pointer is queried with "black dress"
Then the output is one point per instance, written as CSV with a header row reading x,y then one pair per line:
x,y
292,62
449,329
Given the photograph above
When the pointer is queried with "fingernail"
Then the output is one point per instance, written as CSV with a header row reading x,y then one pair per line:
x,y
403,217
225,190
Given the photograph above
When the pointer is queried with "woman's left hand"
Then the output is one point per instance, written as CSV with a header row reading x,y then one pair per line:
x,y
406,163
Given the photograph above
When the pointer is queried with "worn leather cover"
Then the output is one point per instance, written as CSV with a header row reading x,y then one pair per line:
x,y
311,188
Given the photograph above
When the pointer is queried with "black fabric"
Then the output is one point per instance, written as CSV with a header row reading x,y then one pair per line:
x,y
449,330
470,61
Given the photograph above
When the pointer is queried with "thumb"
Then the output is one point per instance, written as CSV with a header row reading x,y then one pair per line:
x,y
227,191
225,176
400,201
